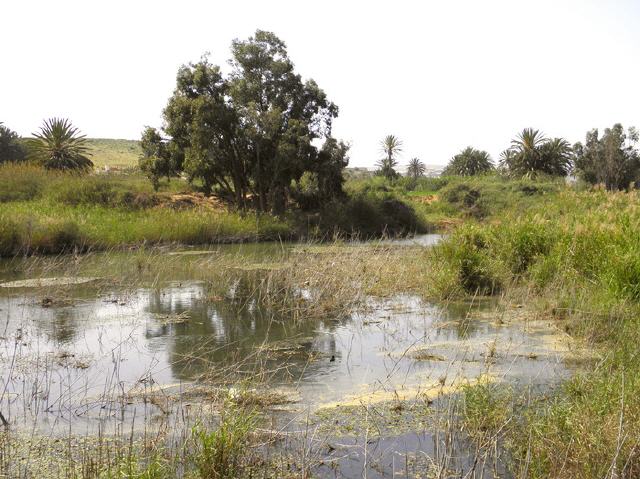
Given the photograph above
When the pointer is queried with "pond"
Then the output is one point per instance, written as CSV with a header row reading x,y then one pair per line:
x,y
90,355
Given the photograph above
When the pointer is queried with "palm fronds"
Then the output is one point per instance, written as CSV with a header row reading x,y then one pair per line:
x,y
60,146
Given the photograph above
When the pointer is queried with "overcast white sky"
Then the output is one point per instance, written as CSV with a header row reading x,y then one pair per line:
x,y
440,75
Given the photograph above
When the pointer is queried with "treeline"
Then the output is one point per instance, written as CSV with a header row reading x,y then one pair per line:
x,y
611,158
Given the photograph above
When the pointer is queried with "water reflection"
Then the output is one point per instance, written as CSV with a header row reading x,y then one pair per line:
x,y
78,364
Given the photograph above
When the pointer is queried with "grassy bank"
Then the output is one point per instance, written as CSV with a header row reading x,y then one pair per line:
x,y
48,212
445,202
573,257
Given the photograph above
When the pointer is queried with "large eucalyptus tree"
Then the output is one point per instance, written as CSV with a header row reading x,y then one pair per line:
x,y
250,133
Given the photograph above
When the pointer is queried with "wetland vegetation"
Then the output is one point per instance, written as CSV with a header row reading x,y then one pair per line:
x,y
235,305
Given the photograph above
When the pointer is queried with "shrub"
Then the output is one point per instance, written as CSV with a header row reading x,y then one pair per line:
x,y
10,240
466,197
370,216
523,243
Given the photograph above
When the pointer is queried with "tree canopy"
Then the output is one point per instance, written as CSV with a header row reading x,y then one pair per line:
x,y
250,133
611,159
60,146
11,148
532,153
469,162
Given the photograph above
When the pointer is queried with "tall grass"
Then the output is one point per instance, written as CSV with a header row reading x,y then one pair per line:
x,y
576,256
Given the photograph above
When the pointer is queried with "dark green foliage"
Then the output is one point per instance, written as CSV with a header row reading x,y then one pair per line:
x,y
11,147
249,134
532,154
331,161
469,162
324,183
368,216
391,147
59,146
612,159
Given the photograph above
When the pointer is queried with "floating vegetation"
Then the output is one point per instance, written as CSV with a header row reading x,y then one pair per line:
x,y
424,355
176,318
48,282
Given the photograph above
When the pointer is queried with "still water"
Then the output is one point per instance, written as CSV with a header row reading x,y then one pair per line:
x,y
83,362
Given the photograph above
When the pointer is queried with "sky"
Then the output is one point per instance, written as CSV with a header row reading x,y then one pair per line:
x,y
440,75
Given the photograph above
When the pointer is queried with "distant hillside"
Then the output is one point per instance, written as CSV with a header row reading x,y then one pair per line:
x,y
114,153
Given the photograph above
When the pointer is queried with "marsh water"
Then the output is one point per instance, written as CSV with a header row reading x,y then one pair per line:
x,y
106,355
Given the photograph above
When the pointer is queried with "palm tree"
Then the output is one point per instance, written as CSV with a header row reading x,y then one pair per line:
x,y
557,155
60,146
532,153
507,159
469,162
416,168
391,146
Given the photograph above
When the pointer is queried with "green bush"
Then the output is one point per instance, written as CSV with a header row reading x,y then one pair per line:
x,y
10,241
524,243
369,216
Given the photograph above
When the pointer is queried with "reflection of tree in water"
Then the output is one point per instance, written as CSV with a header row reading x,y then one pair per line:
x,y
459,313
61,324
64,326
231,335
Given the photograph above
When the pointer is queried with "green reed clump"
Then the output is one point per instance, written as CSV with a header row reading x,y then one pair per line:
x,y
22,181
486,408
470,266
223,453
28,235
